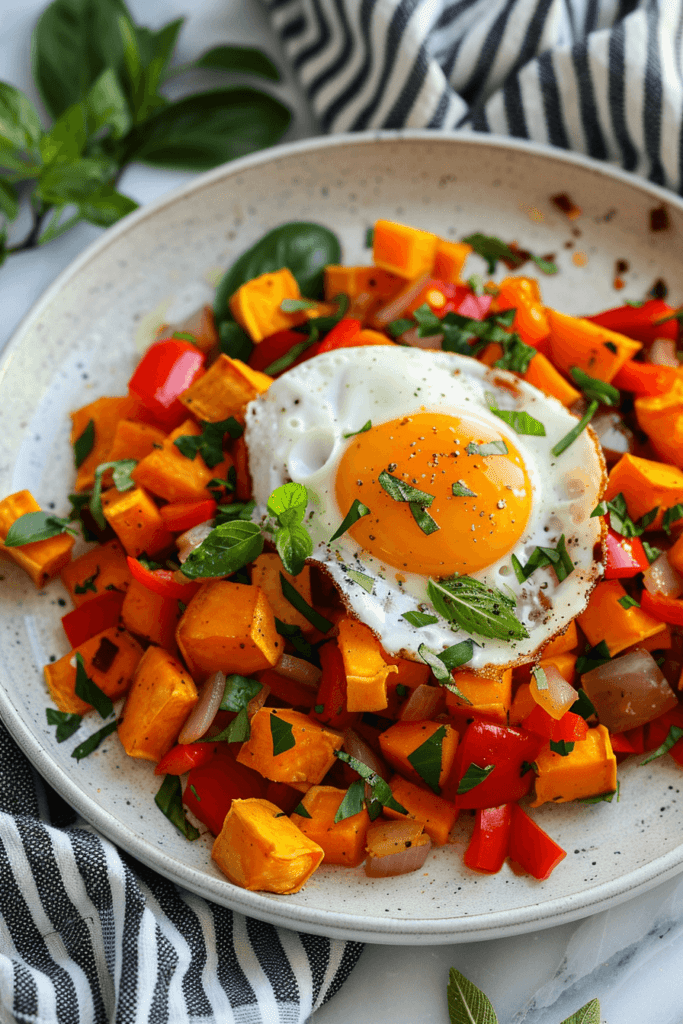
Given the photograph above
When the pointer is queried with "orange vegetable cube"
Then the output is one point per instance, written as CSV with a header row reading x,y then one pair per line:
x,y
353,281
369,337
224,390
134,440
265,574
403,250
605,619
307,752
522,294
489,697
564,663
343,842
256,304
436,814
522,705
159,701
676,555
260,849
136,521
409,673
400,741
150,615
228,627
661,417
109,658
589,770
597,351
43,559
105,414
543,375
171,475
563,642
449,259
364,665
244,486
102,568
645,484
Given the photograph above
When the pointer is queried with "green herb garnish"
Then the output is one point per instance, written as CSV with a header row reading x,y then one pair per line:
x,y
558,557
520,421
356,512
93,741
66,723
209,444
595,389
419,619
169,800
673,736
474,776
227,548
83,444
366,426
33,526
89,691
426,759
297,601
476,608
353,802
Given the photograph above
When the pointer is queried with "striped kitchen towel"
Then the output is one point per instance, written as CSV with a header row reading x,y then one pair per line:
x,y
90,936
602,77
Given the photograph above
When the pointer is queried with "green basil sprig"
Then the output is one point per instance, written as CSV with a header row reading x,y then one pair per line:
x,y
476,608
227,548
33,526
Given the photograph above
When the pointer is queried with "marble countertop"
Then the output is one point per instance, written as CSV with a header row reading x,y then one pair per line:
x,y
630,956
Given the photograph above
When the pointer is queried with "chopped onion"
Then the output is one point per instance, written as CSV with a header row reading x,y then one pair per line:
x,y
396,848
257,702
191,539
628,691
299,671
357,747
663,353
204,711
399,304
616,439
558,696
422,703
662,578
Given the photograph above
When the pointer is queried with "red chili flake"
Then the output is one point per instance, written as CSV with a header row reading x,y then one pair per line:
x,y
565,205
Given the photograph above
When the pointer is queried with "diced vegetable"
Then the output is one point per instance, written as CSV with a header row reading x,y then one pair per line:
x,y
590,769
110,659
212,786
607,619
287,746
167,369
396,848
628,691
41,559
343,841
531,847
101,613
160,699
365,668
490,840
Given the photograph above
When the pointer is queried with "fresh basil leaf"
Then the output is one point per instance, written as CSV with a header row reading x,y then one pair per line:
x,y
238,692
491,448
593,657
520,421
297,305
426,759
545,266
121,470
288,503
301,811
673,736
244,60
419,619
583,706
671,515
442,664
297,640
107,107
528,766
474,776
357,511
541,679
457,655
476,284
33,526
352,803
595,389
381,790
428,322
297,601
294,545
73,181
619,519
423,518
282,734
652,553
237,731
476,608
227,548
441,673
66,723
169,800
558,557
516,354
88,583
88,690
492,249
399,490
562,747
466,1003
362,579
569,438
398,327
588,1014
627,602
234,342
602,798
209,444
289,357
93,741
237,510
460,490
363,430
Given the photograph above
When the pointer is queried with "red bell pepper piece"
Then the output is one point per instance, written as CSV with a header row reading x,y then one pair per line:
x,y
184,756
570,727
331,698
666,609
283,796
630,742
658,730
531,847
166,370
212,787
505,747
625,556
92,617
640,322
182,516
677,752
644,379
342,335
160,581
274,347
288,690
490,839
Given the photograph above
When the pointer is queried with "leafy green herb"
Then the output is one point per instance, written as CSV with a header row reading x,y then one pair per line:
x,y
123,481
88,584
296,638
298,602
419,619
209,444
516,354
356,512
588,1014
558,557
301,810
366,426
238,692
527,766
460,490
423,518
66,723
601,798
593,657
320,708
673,736
196,794
583,706
289,357
79,506
381,790
401,690
169,800
296,305
442,667
353,801
237,510
466,1003
282,734
369,238
569,438
294,545
33,526
476,608
562,747
619,519
627,602
671,515
245,60
227,548
466,336
541,679
492,250
83,444
362,579
497,447
93,741
476,284
652,553
457,655
520,421
594,389
634,303
233,341
417,500
426,759
236,732
219,487
398,327
474,776
89,691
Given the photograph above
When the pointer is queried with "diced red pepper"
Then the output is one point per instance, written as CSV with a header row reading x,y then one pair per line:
x,y
505,747
274,347
185,756
212,787
160,581
570,728
658,730
332,690
490,839
640,322
666,609
283,796
677,752
645,379
288,690
182,516
531,847
630,742
91,618
342,335
625,556
166,370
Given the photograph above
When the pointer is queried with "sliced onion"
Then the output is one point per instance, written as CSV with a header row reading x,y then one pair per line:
x,y
360,305
257,702
299,671
558,696
396,848
191,539
357,747
663,353
613,435
422,703
204,711
399,304
662,578
628,691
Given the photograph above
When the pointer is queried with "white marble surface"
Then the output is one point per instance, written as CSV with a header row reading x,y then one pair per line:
x,y
630,956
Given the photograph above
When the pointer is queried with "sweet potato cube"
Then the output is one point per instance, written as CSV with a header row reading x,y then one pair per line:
x,y
597,351
402,740
645,484
109,658
134,440
449,259
543,375
661,417
306,747
224,390
159,701
228,627
136,521
354,281
101,568
240,455
364,665
256,304
150,615
489,698
605,619
43,559
436,814
171,475
265,573
260,849
523,704
562,643
105,414
343,842
403,250
590,769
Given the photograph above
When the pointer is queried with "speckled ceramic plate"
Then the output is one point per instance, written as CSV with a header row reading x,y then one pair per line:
x,y
80,342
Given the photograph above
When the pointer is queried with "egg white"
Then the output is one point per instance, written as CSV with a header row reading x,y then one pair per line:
x,y
295,431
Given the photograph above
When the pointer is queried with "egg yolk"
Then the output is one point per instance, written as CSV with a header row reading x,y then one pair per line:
x,y
433,452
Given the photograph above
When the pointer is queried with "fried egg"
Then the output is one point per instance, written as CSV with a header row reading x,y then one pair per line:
x,y
341,420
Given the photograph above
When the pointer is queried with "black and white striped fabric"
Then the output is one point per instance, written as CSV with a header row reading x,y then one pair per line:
x,y
603,77
90,936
